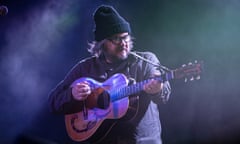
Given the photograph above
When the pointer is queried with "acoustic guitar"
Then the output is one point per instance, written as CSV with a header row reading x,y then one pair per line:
x,y
110,101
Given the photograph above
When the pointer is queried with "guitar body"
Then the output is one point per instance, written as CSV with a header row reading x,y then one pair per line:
x,y
98,107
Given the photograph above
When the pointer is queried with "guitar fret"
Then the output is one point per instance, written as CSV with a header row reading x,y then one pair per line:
x,y
135,88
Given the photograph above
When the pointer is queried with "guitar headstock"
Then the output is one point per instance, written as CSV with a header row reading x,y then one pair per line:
x,y
189,72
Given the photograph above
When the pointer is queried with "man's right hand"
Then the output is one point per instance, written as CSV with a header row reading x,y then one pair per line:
x,y
80,91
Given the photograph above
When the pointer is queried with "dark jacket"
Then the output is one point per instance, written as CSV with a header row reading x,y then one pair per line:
x,y
145,127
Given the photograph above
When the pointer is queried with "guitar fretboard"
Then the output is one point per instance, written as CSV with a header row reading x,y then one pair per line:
x,y
120,93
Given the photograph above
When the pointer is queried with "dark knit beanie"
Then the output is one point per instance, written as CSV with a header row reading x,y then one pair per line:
x,y
108,22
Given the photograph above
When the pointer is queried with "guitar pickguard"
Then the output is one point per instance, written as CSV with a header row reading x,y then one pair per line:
x,y
79,125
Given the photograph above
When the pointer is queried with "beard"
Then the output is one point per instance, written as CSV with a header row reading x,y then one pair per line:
x,y
117,55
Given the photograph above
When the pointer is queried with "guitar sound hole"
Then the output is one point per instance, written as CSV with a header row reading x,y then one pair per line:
x,y
103,100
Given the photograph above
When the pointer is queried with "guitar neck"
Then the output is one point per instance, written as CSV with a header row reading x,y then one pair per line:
x,y
138,87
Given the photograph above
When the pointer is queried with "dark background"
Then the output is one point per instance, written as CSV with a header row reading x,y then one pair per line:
x,y
40,40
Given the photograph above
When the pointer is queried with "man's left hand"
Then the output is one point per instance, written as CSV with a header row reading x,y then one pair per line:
x,y
153,87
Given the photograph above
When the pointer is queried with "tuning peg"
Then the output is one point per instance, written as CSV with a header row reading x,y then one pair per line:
x,y
198,77
184,65
190,63
195,61
191,79
185,80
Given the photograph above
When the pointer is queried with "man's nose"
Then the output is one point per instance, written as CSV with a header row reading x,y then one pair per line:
x,y
123,41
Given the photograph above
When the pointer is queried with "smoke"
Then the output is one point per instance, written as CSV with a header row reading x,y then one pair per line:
x,y
31,41
209,31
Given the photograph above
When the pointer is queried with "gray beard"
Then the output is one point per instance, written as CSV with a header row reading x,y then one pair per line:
x,y
115,59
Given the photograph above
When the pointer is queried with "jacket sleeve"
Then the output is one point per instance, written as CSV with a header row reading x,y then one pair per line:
x,y
60,98
152,71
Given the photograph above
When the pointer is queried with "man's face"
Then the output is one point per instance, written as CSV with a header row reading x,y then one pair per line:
x,y
117,47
